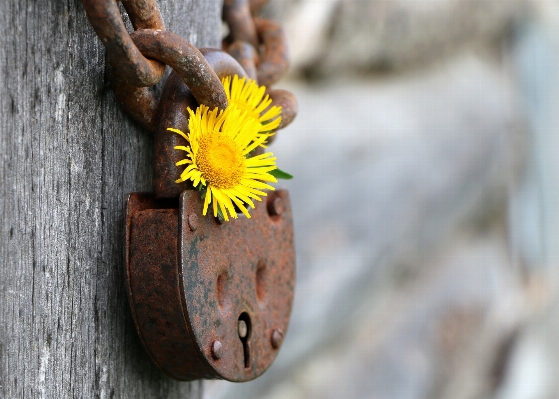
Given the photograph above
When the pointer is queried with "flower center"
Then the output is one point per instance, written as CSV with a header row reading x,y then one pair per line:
x,y
220,160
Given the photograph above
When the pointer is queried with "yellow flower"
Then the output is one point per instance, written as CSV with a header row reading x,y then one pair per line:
x,y
245,94
219,143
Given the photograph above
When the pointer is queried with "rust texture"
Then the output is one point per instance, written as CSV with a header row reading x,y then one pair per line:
x,y
133,67
272,62
275,59
222,63
133,73
144,14
239,19
288,103
246,55
256,5
175,99
155,296
186,60
191,289
140,103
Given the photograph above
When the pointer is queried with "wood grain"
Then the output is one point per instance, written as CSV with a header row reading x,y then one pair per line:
x,y
68,156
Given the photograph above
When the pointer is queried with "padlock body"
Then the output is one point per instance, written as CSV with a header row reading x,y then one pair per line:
x,y
210,299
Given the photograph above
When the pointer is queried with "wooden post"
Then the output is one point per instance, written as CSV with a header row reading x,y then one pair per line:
x,y
68,157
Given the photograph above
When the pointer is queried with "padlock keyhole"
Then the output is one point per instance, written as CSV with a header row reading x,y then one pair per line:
x,y
245,328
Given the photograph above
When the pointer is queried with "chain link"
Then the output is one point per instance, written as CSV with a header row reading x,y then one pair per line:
x,y
257,49
107,22
268,60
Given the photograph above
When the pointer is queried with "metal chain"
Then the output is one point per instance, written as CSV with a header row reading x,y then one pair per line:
x,y
258,45
105,18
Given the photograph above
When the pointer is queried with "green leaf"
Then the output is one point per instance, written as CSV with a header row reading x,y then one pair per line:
x,y
280,174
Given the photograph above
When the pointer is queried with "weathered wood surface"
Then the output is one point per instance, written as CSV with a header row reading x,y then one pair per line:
x,y
68,157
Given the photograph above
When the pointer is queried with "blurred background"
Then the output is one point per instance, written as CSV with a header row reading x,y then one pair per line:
x,y
426,201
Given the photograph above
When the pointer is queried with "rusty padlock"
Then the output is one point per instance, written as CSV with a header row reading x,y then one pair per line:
x,y
209,299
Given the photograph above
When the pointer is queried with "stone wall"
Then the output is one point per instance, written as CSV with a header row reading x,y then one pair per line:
x,y
336,37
